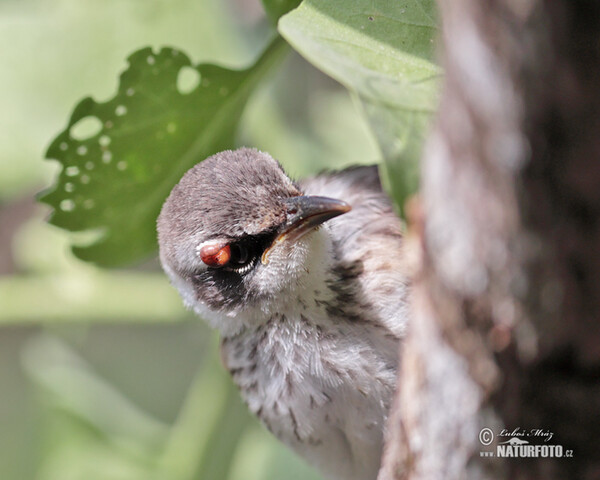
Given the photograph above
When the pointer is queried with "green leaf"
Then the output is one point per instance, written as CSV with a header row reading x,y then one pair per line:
x,y
383,52
277,8
122,157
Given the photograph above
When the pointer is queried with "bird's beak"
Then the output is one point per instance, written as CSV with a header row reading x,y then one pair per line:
x,y
304,213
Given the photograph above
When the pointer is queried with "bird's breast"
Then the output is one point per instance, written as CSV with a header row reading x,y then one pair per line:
x,y
321,385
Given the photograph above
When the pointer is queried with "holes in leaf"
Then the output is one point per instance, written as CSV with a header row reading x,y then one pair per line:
x,y
120,110
63,146
122,165
188,80
72,171
104,141
82,150
151,60
85,179
67,205
85,128
69,187
107,156
130,92
89,165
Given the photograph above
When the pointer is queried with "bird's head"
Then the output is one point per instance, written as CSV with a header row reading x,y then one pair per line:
x,y
237,235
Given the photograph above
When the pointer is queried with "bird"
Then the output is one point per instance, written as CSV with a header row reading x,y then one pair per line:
x,y
307,285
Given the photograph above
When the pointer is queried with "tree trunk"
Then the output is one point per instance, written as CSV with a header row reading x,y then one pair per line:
x,y
505,331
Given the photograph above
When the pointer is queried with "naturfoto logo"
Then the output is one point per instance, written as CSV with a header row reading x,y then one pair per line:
x,y
516,443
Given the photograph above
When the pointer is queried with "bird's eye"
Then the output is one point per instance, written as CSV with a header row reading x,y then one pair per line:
x,y
220,254
215,254
239,254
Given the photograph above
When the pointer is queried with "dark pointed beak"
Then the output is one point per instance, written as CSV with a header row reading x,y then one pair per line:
x,y
304,213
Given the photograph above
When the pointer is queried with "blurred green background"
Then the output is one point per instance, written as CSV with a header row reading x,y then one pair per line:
x,y
103,375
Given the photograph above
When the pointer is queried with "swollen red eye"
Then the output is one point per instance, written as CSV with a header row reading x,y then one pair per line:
x,y
215,254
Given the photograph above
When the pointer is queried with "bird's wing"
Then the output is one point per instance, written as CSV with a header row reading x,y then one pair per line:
x,y
369,238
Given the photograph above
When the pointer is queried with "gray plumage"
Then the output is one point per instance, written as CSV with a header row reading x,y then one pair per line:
x,y
311,331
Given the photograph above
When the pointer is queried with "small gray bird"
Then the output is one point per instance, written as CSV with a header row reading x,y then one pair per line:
x,y
306,284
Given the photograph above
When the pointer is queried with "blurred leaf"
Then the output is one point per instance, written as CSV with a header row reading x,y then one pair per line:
x,y
253,456
277,8
260,456
383,52
201,421
74,387
317,128
222,449
165,117
82,297
91,430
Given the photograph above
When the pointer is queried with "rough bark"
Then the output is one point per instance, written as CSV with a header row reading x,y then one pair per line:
x,y
506,301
